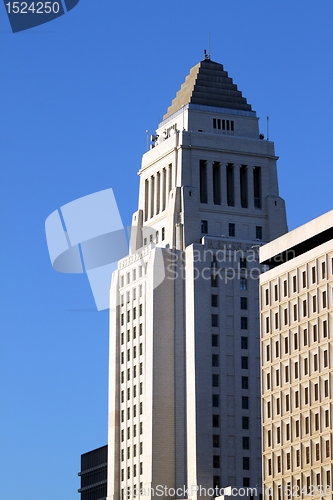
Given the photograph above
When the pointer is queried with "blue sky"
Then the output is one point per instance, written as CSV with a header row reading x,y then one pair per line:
x,y
76,97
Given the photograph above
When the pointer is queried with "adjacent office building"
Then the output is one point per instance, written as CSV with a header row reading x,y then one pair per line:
x,y
94,474
184,383
297,362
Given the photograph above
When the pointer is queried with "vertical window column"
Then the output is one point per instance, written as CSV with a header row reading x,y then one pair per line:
x,y
158,193
257,186
243,186
250,187
164,188
216,183
146,199
230,185
152,195
203,181
170,178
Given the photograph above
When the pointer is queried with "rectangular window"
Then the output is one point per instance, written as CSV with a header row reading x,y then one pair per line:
x,y
230,185
215,360
258,232
257,187
313,275
216,420
215,320
215,340
243,303
317,421
245,403
216,461
244,362
217,183
213,281
243,186
245,382
214,300
323,270
246,463
245,423
215,400
232,230
216,441
243,263
243,323
317,451
246,443
326,388
306,395
243,284
244,342
215,380
325,329
204,227
304,279
287,402
295,341
203,182
324,299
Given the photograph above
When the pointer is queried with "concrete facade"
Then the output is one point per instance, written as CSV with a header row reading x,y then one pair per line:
x,y
184,391
297,362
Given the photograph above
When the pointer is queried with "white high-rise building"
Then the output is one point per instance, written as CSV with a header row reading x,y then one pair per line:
x,y
184,388
297,362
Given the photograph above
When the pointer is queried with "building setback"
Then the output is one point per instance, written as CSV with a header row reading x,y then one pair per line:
x,y
184,379
297,361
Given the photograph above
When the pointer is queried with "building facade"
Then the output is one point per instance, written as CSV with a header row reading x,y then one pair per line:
x,y
93,474
297,362
184,384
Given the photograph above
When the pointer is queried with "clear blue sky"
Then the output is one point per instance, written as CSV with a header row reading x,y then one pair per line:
x,y
76,98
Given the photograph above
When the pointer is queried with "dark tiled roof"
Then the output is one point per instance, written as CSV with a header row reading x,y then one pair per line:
x,y
208,84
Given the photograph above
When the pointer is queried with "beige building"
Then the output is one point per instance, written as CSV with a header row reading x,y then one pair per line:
x,y
297,361
184,387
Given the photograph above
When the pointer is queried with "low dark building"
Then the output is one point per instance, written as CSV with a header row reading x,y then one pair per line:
x,y
94,466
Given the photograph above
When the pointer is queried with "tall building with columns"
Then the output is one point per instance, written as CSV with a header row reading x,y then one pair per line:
x,y
184,386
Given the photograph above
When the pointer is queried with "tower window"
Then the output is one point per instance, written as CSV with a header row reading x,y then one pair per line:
x,y
216,183
232,231
215,380
204,226
246,463
245,362
244,343
245,382
214,300
245,423
215,401
243,283
245,403
243,323
216,420
203,182
246,443
259,232
230,185
215,320
216,441
243,186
